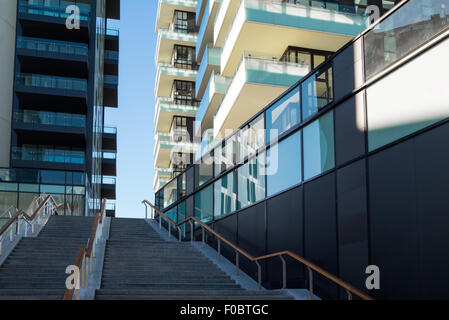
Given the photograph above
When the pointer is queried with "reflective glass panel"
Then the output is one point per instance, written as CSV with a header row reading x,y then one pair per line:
x,y
284,164
319,153
251,182
225,191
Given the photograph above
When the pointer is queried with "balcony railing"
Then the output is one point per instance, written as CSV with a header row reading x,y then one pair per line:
x,y
110,79
111,55
114,32
50,10
53,82
110,130
48,155
50,118
53,46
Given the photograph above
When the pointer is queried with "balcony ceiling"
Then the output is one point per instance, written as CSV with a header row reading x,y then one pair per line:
x,y
272,39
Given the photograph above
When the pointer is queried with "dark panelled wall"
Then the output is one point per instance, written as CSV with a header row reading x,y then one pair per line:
x,y
409,218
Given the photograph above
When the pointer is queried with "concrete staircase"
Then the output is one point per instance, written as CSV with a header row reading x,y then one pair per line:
x,y
139,265
35,270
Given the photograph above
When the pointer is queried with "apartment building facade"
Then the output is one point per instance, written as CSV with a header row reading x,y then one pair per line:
x,y
352,177
219,61
59,75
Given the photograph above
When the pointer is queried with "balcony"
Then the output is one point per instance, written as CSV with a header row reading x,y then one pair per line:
x,y
166,144
166,109
166,74
225,16
209,65
38,118
36,81
35,46
110,92
109,138
166,40
44,158
110,209
108,187
210,103
33,17
261,25
259,80
112,38
47,10
111,60
108,162
166,10
206,22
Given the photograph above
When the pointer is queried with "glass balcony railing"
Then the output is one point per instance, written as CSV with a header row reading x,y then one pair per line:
x,y
109,180
114,32
53,46
110,130
48,155
217,85
211,57
57,11
53,82
111,55
110,79
50,118
109,154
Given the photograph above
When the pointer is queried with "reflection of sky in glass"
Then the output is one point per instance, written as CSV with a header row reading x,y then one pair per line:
x,y
284,164
319,146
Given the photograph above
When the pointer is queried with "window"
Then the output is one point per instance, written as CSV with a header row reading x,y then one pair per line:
x,y
251,138
180,21
203,204
184,57
251,182
283,116
319,154
170,193
183,93
204,171
284,164
225,192
317,92
225,157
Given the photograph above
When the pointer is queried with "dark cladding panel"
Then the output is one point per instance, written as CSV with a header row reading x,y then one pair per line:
x,y
350,129
393,221
321,231
285,232
227,227
352,224
251,236
190,177
432,179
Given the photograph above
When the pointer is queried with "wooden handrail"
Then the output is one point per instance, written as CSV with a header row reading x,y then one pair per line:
x,y
298,258
98,219
84,252
25,215
68,295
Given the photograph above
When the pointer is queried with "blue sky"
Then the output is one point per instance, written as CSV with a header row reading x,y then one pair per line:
x,y
135,115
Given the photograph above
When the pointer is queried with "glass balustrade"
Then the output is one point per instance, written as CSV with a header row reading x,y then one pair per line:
x,y
53,82
50,10
48,155
50,118
52,46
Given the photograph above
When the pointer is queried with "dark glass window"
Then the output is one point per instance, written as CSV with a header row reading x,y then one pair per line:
x,y
184,57
180,21
183,93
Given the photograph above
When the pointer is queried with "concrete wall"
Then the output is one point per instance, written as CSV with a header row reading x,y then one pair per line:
x,y
8,14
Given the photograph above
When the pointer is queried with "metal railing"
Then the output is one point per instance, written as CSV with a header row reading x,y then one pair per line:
x,y
87,256
22,224
350,290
